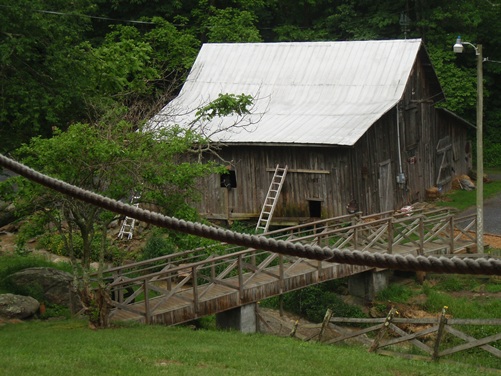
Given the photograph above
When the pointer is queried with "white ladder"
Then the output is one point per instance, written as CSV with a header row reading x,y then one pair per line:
x,y
270,202
129,222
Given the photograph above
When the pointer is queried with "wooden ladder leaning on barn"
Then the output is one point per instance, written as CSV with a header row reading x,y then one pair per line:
x,y
129,222
270,202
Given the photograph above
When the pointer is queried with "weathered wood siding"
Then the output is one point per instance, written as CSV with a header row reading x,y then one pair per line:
x,y
315,175
409,141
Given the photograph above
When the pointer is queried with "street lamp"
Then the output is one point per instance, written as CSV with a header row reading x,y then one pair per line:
x,y
458,48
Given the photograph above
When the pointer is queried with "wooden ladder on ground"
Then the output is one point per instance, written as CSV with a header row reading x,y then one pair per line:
x,y
129,222
271,199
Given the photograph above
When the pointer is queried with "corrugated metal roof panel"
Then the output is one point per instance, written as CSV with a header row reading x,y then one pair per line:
x,y
306,93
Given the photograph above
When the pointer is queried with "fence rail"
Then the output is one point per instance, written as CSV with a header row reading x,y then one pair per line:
x,y
436,328
430,338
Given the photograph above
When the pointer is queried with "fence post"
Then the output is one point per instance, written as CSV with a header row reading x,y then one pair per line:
x,y
383,329
147,313
421,235
281,275
440,333
355,238
294,329
195,288
327,319
451,225
390,235
240,278
212,269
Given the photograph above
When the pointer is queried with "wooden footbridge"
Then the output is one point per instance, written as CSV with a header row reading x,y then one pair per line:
x,y
187,285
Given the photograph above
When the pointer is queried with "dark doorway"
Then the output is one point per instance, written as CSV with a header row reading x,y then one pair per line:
x,y
315,207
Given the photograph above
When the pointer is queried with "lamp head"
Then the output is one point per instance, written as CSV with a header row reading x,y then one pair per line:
x,y
458,47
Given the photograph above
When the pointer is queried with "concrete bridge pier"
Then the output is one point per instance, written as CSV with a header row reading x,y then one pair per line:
x,y
241,318
368,284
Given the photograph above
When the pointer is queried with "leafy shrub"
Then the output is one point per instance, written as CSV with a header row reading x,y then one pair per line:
x,y
156,246
54,310
492,154
243,227
312,303
30,229
54,243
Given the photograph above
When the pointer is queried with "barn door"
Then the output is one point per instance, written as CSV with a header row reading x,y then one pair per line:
x,y
386,197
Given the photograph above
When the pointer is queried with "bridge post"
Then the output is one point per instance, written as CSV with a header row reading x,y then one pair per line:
x,y
243,319
421,235
368,284
451,226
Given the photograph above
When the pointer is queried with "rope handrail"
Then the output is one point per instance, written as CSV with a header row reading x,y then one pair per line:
x,y
379,260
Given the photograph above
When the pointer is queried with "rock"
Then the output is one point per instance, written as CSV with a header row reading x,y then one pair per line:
x,y
51,285
18,306
7,214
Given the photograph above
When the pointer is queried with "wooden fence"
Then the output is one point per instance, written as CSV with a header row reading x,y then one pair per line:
x,y
428,334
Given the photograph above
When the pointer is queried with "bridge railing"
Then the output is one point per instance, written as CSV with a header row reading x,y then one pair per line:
x,y
235,270
190,275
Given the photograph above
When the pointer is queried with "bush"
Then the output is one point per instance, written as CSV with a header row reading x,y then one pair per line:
x,y
492,154
54,310
312,303
54,243
156,246
30,229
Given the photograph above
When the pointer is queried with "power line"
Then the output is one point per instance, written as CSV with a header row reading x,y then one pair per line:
x,y
85,16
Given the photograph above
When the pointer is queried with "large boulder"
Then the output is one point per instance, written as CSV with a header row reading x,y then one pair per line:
x,y
49,285
18,306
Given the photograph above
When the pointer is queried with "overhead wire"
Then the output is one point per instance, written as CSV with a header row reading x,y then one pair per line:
x,y
85,16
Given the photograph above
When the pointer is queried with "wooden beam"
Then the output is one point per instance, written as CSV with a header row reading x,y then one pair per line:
x,y
494,351
302,171
472,344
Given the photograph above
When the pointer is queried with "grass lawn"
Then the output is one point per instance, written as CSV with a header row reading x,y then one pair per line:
x,y
68,347
462,200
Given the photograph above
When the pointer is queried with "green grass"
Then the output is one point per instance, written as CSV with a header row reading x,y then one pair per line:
x,y
10,264
70,348
462,200
65,347
464,296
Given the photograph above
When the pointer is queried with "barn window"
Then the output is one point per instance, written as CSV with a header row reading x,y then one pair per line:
x,y
228,179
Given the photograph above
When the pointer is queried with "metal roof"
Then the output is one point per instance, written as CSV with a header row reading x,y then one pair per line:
x,y
322,93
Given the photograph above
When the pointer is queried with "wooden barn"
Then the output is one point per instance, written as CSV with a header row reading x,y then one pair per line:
x,y
354,122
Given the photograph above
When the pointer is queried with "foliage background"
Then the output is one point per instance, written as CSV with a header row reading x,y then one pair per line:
x,y
66,62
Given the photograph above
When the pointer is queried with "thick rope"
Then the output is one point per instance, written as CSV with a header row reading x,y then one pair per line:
x,y
485,266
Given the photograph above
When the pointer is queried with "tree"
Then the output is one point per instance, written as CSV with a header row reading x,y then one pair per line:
x,y
51,76
115,159
225,24
41,78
